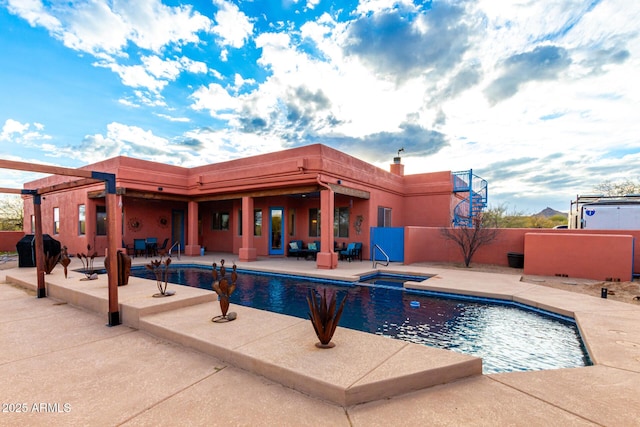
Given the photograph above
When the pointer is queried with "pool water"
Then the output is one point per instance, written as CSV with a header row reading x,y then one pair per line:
x,y
507,337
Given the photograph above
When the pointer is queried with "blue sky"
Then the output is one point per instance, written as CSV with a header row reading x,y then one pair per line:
x,y
539,98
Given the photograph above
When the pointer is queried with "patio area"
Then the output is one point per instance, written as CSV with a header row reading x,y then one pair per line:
x,y
164,366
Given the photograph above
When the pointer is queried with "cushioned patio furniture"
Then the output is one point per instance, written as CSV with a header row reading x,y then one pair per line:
x,y
313,249
296,248
353,251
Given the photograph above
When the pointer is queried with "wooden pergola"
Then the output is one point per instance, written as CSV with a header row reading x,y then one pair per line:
x,y
86,177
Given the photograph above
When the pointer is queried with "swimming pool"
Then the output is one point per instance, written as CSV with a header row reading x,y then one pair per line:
x,y
507,336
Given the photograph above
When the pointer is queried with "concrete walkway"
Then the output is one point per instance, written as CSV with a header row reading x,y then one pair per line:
x,y
62,366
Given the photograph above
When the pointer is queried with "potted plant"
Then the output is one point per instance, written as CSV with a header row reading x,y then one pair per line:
x,y
324,316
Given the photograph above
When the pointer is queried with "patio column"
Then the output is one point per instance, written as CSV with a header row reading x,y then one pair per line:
x,y
192,248
326,258
247,252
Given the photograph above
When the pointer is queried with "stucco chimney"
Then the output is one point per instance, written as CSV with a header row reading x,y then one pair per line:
x,y
397,167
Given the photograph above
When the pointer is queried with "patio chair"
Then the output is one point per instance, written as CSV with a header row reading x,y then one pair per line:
x,y
349,252
139,247
128,249
353,251
162,250
152,246
358,251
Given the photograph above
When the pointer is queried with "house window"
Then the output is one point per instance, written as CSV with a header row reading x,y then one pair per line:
x,y
56,220
384,217
33,224
220,221
292,222
81,220
240,222
101,220
257,222
314,222
341,222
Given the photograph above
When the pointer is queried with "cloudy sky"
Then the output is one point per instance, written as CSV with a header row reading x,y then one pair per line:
x,y
539,98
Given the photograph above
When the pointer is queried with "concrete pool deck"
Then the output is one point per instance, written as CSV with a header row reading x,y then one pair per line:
x,y
158,369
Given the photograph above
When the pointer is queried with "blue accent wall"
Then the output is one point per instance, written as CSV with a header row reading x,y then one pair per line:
x,y
391,240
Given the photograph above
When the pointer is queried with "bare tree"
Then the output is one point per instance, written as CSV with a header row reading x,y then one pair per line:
x,y
471,238
620,188
11,213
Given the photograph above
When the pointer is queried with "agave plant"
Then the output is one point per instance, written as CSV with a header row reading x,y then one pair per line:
x,y
161,270
50,262
324,317
224,289
87,263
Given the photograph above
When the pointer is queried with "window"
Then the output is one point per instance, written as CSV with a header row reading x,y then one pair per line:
x,y
257,222
33,224
314,222
341,222
81,220
240,222
56,220
384,217
292,222
101,220
220,221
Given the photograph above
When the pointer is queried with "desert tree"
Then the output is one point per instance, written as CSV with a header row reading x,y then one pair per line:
x,y
471,237
618,188
11,213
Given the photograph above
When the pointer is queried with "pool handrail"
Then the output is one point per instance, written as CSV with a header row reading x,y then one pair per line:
x,y
175,244
373,255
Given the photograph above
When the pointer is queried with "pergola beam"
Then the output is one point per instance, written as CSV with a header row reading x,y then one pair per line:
x,y
51,170
10,190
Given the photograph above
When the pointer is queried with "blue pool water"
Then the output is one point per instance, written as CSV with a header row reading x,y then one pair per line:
x,y
507,337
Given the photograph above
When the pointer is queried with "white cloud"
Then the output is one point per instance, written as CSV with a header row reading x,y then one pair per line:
x,y
22,133
232,25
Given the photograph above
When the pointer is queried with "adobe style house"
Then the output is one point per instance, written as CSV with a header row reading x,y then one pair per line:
x,y
250,207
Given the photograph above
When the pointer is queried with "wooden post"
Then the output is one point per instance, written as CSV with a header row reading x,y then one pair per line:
x,y
112,244
37,213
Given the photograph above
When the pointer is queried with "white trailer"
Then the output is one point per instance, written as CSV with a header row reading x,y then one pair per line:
x,y
605,216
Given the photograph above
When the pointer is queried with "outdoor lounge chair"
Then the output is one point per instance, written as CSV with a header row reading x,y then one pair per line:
x,y
296,248
313,249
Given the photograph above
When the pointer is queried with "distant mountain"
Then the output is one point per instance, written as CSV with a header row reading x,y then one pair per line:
x,y
548,212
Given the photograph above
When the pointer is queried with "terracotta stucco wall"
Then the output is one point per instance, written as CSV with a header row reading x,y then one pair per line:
x,y
9,239
426,244
594,256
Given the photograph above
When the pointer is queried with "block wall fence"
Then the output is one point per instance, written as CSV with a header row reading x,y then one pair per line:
x,y
577,253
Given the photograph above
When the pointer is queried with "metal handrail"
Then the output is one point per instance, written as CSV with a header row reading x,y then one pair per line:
x,y
376,246
176,244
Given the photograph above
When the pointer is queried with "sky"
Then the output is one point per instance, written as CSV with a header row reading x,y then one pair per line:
x,y
541,99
